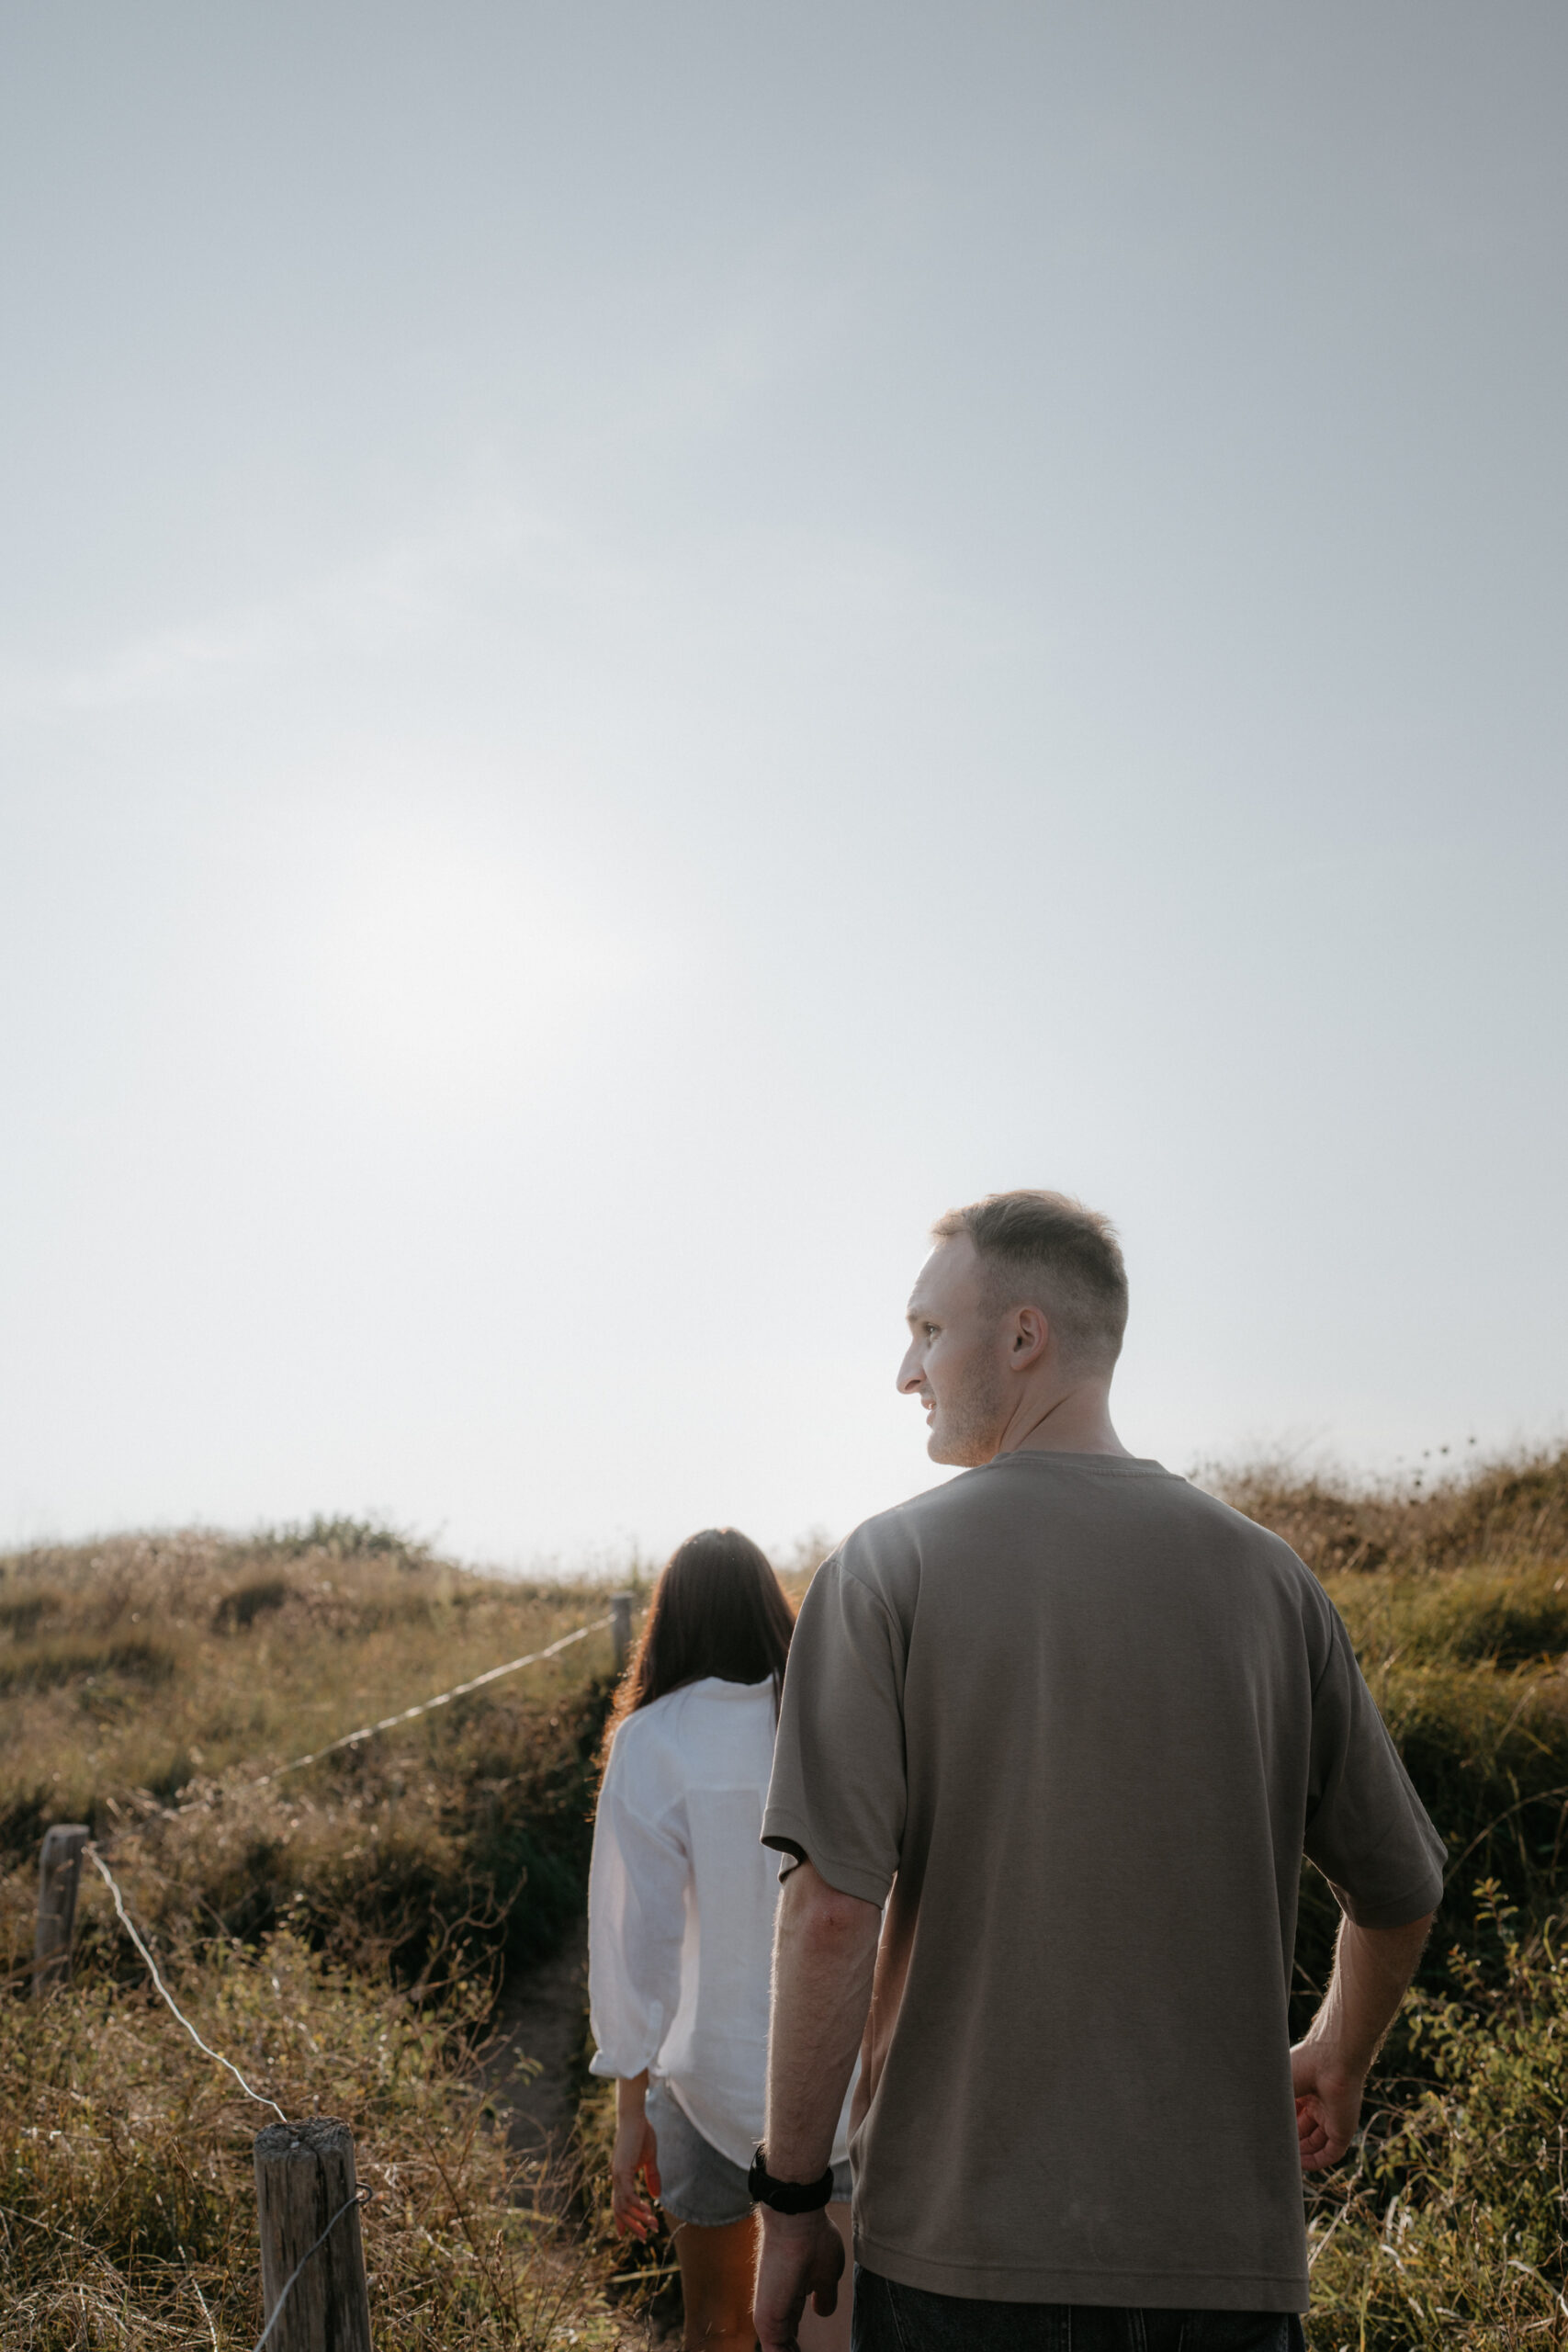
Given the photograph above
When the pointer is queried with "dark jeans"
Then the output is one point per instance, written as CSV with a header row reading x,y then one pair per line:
x,y
890,2318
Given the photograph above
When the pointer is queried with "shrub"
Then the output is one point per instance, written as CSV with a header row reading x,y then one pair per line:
x,y
1449,2230
254,1665
242,1607
1487,1746
125,2169
67,1660
1507,1512
338,1931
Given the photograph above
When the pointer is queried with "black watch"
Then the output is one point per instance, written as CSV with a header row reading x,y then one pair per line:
x,y
787,2196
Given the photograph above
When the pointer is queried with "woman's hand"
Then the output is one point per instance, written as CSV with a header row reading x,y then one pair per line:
x,y
635,2153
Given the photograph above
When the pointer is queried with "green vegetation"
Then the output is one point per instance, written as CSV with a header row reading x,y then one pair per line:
x,y
126,2206
1449,2229
1450,2226
152,1680
338,1932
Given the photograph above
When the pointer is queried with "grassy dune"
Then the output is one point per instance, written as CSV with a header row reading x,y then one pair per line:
x,y
1450,2228
339,1931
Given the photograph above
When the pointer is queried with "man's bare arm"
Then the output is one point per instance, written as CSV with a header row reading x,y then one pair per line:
x,y
824,1959
1372,1969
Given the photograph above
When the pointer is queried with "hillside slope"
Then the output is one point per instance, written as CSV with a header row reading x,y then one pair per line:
x,y
1448,2230
339,1931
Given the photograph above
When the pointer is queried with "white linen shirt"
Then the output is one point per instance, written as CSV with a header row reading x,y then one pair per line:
x,y
681,1902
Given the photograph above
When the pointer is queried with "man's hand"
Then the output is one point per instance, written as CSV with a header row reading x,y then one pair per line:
x,y
824,1957
1329,2105
802,2254
635,2152
1330,2064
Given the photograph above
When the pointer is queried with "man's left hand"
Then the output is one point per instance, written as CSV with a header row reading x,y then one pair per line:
x,y
802,2254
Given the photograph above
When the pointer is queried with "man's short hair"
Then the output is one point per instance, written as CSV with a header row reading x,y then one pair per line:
x,y
1047,1249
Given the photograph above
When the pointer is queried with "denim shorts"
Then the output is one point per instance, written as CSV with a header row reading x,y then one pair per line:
x,y
696,2185
890,2318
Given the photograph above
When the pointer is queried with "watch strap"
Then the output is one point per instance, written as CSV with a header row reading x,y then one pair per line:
x,y
787,2196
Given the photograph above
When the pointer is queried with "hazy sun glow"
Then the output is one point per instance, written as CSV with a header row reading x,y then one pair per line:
x,y
443,972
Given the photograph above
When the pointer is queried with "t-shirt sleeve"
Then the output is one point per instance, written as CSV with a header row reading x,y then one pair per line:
x,y
839,1788
1367,1830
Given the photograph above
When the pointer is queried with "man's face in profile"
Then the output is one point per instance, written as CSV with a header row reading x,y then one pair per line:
x,y
955,1362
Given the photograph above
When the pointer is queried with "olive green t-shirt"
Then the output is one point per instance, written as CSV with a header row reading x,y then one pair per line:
x,y
1075,1721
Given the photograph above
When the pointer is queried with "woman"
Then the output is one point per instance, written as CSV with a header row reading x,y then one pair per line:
x,y
680,1929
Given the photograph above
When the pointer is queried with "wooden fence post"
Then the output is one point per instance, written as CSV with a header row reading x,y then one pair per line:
x,y
621,1604
304,2176
59,1875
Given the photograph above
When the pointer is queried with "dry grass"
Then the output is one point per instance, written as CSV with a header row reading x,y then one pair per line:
x,y
337,1933
1448,2230
143,1661
126,2211
1506,1514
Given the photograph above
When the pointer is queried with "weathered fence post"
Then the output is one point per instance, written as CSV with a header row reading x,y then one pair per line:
x,y
59,1875
621,1604
304,2176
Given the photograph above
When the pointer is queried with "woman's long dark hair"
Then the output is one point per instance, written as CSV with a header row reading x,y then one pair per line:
x,y
717,1608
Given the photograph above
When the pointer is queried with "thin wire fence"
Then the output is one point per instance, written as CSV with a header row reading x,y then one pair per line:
x,y
350,1739
130,1926
534,1658
391,1723
360,2197
442,1699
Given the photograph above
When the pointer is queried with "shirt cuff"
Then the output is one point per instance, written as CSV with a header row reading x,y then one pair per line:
x,y
614,2066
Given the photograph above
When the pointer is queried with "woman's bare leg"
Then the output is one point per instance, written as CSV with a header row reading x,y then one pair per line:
x,y
832,2335
718,2271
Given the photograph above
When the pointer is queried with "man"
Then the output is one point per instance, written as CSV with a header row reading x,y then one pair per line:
x,y
1073,1721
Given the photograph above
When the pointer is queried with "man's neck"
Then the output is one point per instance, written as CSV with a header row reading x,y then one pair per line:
x,y
1072,1420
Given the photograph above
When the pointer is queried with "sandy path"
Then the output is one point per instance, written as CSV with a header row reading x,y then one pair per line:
x,y
540,2017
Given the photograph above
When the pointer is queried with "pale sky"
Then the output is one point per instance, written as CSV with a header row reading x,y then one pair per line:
x,y
644,645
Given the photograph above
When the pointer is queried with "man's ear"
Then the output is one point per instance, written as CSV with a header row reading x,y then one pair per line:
x,y
1030,1337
